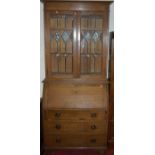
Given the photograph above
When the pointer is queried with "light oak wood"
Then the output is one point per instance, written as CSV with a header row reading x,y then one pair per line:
x,y
76,114
76,88
76,6
72,126
79,96
54,140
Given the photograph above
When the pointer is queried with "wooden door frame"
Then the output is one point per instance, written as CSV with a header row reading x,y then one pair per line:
x,y
76,7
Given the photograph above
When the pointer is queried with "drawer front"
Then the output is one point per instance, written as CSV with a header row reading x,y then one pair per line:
x,y
76,114
74,140
67,126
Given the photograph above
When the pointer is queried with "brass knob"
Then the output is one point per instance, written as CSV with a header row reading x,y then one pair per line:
x,y
93,115
93,140
57,114
58,140
58,126
93,127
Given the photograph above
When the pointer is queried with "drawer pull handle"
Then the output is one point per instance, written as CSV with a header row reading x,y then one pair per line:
x,y
93,115
93,140
58,140
93,127
58,126
57,114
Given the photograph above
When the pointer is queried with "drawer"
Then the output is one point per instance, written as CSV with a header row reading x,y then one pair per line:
x,y
52,140
67,126
76,114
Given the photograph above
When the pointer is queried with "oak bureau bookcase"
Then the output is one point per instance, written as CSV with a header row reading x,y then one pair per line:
x,y
75,97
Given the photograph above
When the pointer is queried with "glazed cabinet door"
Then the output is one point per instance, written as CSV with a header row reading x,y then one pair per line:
x,y
60,43
76,44
93,55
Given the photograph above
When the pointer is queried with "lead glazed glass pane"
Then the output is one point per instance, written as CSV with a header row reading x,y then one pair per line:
x,y
61,43
91,44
